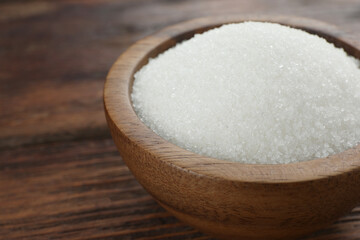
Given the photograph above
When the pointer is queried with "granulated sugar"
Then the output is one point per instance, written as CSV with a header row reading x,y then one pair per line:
x,y
253,93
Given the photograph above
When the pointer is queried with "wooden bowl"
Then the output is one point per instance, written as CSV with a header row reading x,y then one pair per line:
x,y
227,199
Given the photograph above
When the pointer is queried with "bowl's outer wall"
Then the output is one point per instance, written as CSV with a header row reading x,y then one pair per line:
x,y
222,205
253,210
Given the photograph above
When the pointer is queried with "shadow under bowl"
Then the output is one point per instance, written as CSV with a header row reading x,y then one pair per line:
x,y
227,199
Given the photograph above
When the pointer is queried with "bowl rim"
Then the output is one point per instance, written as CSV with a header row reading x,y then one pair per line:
x,y
120,112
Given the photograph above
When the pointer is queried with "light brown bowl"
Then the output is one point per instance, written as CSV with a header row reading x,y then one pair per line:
x,y
222,198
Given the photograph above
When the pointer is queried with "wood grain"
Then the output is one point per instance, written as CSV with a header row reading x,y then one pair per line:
x,y
54,56
77,190
217,196
83,190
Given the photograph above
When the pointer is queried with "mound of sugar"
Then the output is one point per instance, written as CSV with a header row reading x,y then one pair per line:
x,y
253,93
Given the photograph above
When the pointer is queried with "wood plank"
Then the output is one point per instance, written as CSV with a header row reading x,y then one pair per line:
x,y
51,91
83,190
54,55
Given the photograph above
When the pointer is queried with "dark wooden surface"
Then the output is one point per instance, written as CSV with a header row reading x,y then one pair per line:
x,y
60,174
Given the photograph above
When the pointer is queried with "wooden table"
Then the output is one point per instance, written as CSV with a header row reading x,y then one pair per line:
x,y
61,176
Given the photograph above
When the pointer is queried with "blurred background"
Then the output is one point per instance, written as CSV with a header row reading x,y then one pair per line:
x,y
55,55
60,174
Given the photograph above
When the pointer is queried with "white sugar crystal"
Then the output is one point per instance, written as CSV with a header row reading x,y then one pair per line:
x,y
253,93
